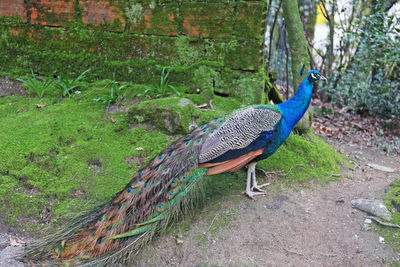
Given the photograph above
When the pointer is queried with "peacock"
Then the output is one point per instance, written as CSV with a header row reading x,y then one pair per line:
x,y
169,184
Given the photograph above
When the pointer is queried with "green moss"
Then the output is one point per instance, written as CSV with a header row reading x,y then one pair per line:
x,y
392,202
250,20
174,115
392,198
67,156
188,50
134,13
302,160
207,19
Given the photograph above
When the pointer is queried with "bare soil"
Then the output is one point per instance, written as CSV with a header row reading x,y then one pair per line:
x,y
310,225
304,225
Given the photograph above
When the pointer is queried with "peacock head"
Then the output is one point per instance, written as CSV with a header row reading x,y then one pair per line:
x,y
315,75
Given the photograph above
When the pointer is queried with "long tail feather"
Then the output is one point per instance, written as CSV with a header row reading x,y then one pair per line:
x,y
160,192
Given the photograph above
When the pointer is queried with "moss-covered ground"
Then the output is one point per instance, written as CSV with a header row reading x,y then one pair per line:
x,y
72,155
392,201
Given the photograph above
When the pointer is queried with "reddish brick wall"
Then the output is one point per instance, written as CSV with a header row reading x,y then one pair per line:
x,y
224,33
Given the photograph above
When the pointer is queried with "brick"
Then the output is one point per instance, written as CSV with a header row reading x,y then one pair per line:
x,y
157,20
101,12
207,19
250,20
50,12
246,55
13,8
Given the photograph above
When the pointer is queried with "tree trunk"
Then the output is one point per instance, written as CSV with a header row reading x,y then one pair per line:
x,y
308,15
297,40
298,51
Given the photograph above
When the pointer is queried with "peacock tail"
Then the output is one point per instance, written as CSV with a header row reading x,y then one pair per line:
x,y
161,191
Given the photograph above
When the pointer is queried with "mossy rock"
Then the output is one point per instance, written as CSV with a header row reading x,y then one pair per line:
x,y
172,115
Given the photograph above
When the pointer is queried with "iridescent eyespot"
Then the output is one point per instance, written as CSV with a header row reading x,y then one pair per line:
x,y
160,157
129,189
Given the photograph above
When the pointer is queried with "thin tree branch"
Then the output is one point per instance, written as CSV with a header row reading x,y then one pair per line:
x,y
271,35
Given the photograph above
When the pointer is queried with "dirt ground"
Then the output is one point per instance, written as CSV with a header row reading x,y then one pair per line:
x,y
313,225
307,225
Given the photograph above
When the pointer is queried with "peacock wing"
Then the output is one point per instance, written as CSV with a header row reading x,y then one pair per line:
x,y
240,139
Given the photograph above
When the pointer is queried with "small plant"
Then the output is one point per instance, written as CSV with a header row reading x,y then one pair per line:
x,y
162,88
115,92
35,85
66,86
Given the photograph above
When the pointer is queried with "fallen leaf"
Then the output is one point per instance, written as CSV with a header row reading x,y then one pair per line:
x,y
40,105
16,242
202,105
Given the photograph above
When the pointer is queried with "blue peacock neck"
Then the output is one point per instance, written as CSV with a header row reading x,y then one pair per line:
x,y
293,109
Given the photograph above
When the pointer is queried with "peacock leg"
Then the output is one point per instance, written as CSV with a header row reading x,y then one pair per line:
x,y
251,172
255,186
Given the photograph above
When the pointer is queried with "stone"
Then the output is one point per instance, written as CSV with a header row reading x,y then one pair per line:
x,y
380,167
172,115
374,207
184,102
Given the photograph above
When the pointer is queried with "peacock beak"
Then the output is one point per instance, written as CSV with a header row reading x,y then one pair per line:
x,y
323,78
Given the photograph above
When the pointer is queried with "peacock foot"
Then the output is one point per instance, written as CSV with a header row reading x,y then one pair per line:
x,y
257,187
251,194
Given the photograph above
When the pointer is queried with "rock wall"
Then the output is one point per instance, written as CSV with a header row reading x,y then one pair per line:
x,y
206,44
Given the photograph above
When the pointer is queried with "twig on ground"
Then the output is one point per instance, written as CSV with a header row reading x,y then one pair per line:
x,y
267,173
288,250
327,255
281,172
334,175
383,223
212,222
